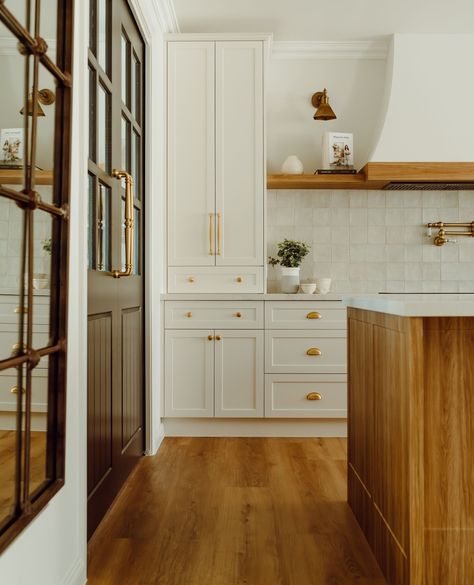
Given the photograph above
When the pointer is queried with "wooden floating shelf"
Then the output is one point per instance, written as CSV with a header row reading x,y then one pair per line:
x,y
377,176
15,177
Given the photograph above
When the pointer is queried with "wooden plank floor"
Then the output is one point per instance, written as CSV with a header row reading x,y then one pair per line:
x,y
226,511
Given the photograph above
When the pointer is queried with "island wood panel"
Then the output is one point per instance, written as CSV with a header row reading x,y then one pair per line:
x,y
449,453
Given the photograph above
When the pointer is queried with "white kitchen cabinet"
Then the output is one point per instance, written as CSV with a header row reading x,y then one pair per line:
x,y
189,373
216,161
239,389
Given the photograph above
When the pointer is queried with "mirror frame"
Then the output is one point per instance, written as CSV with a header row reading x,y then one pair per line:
x,y
30,44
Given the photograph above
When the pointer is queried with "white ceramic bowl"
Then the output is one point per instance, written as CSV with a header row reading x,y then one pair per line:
x,y
323,285
308,288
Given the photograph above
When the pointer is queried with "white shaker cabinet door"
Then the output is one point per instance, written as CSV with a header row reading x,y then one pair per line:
x,y
240,165
191,155
239,374
189,373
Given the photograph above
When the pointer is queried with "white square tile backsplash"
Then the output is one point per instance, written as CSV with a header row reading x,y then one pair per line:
x,y
375,241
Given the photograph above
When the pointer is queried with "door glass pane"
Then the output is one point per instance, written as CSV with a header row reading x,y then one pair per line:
x,y
91,240
102,34
125,68
44,225
39,422
137,239
92,114
125,145
135,87
49,24
136,169
103,146
103,228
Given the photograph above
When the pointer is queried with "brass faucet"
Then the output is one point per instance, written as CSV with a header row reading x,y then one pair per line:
x,y
442,238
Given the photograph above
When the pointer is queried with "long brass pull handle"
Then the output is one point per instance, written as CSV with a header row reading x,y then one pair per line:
x,y
313,315
129,227
314,351
314,396
218,234
211,216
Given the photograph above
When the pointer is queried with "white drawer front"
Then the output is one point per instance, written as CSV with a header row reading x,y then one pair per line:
x,y
304,352
213,315
215,279
305,396
305,315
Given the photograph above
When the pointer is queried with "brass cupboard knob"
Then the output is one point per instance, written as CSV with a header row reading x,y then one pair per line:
x,y
314,396
313,315
210,337
218,337
191,279
189,314
238,314
314,351
239,279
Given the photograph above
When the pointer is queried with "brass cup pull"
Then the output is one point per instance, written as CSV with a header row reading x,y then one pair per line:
x,y
15,390
314,396
210,338
314,351
238,315
128,223
189,314
218,337
313,315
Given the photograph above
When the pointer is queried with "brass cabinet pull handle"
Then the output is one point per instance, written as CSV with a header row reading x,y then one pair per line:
x,y
218,234
314,396
314,315
211,253
218,337
14,390
21,310
129,227
189,314
210,338
314,351
238,315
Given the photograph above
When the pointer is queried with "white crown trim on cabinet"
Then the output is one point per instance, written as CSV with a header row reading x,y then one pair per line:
x,y
166,15
330,49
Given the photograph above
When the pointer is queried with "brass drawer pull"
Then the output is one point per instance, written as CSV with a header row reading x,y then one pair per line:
x,y
238,315
210,338
190,278
189,314
14,390
20,310
314,351
218,337
239,279
314,315
314,396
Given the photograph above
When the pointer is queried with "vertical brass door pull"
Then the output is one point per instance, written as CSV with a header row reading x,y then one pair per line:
x,y
129,227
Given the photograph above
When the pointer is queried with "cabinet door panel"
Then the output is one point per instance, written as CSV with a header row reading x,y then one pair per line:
x,y
239,153
191,166
189,373
239,374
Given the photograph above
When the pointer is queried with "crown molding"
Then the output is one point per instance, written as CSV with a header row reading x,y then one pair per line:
x,y
9,46
166,16
330,50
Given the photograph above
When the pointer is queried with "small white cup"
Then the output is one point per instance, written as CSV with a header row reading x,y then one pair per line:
x,y
323,285
308,288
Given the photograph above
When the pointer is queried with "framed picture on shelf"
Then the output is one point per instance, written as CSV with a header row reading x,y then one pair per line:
x,y
338,151
11,148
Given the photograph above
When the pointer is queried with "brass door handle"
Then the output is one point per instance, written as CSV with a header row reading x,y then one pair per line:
x,y
218,234
313,315
314,396
314,351
129,227
211,253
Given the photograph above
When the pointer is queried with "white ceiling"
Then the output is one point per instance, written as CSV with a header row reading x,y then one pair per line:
x,y
312,20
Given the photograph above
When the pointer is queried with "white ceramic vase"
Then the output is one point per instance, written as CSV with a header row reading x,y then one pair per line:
x,y
290,279
292,166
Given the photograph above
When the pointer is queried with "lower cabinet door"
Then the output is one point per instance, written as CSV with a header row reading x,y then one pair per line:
x,y
189,373
239,373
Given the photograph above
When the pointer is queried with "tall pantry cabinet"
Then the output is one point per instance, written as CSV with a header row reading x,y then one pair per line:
x,y
216,164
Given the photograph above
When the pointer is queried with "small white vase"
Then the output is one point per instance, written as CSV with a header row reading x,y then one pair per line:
x,y
292,166
290,279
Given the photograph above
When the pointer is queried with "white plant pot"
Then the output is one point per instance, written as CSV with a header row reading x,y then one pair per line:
x,y
290,279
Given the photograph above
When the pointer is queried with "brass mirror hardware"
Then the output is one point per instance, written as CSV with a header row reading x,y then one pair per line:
x,y
239,279
314,315
210,338
314,351
189,314
218,234
314,396
211,253
21,310
44,97
15,390
218,337
190,278
442,237
128,223
320,101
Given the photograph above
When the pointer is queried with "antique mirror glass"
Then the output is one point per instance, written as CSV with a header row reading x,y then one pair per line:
x,y
35,66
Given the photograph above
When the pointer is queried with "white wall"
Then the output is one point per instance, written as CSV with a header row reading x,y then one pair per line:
x,y
355,87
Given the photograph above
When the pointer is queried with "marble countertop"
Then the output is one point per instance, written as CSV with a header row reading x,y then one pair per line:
x,y
414,305
249,297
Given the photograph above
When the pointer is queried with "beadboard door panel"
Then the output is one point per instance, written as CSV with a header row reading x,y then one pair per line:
x,y
240,165
239,373
191,154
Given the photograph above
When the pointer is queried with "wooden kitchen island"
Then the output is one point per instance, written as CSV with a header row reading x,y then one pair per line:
x,y
411,434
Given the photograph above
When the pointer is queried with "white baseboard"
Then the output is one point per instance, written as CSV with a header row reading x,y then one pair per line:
x,y
77,574
198,427
159,436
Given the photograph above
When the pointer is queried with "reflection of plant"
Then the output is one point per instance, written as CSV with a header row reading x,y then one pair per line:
x,y
290,254
47,245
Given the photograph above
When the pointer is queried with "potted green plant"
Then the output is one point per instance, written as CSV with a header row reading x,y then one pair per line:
x,y
290,255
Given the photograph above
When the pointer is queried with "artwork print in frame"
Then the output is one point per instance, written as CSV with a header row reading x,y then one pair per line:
x,y
11,147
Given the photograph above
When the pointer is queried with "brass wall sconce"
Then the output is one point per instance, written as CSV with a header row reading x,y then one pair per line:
x,y
442,237
320,101
44,97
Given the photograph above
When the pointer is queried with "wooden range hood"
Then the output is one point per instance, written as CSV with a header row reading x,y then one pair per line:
x,y
413,176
